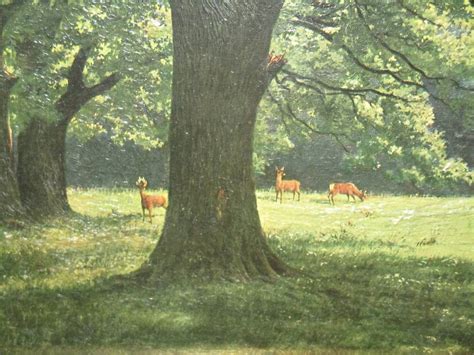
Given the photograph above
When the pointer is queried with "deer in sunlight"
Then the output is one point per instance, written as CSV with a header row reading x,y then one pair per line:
x,y
285,185
346,188
149,201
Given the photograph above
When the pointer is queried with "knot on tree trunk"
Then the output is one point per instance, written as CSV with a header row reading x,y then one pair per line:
x,y
275,62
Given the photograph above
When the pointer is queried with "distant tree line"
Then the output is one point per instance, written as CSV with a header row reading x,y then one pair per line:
x,y
99,162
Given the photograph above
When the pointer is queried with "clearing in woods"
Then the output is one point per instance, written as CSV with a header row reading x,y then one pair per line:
x,y
391,273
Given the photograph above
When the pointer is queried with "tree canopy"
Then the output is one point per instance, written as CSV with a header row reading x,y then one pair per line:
x,y
380,90
374,76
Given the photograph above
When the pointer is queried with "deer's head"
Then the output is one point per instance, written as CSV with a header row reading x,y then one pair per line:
x,y
279,171
141,183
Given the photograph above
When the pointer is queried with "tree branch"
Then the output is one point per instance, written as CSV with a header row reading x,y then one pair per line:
x,y
399,54
75,76
311,26
77,94
359,117
290,113
404,57
282,111
416,14
329,37
103,86
343,90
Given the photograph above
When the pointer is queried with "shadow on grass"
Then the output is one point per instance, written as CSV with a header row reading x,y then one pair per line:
x,y
344,301
349,296
76,222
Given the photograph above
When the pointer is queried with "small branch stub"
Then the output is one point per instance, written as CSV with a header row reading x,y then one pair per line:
x,y
275,62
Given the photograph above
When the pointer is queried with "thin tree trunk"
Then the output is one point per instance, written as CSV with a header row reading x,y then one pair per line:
x,y
221,70
10,206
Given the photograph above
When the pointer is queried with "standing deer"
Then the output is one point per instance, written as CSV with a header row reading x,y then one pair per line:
x,y
285,185
149,201
347,188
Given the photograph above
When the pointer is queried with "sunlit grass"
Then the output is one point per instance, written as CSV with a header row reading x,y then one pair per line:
x,y
366,284
401,221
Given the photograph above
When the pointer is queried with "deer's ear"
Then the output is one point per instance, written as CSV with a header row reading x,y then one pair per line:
x,y
282,168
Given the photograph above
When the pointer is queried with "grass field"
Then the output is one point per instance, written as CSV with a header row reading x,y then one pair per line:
x,y
392,274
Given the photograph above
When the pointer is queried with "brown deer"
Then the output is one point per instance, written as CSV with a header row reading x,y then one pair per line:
x,y
285,185
149,201
347,188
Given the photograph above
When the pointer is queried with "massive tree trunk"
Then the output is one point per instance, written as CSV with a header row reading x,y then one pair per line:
x,y
42,146
220,72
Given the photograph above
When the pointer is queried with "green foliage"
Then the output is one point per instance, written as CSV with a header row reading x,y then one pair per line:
x,y
388,86
375,77
132,40
365,284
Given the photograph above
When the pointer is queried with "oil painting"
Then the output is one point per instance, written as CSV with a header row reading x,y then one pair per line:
x,y
236,177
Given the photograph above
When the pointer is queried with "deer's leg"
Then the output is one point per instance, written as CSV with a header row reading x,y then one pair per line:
x,y
331,198
143,213
149,213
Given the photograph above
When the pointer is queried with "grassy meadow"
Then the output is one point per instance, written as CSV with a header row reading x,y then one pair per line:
x,y
392,274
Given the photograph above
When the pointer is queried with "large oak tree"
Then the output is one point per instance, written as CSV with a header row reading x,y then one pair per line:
x,y
221,70
68,57
42,145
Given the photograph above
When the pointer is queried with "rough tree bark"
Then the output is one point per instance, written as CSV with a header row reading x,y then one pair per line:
x,y
10,205
221,69
42,146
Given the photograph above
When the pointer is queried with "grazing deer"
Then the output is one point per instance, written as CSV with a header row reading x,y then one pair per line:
x,y
285,185
347,188
149,201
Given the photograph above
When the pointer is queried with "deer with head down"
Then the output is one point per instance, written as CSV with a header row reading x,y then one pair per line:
x,y
285,185
346,188
149,201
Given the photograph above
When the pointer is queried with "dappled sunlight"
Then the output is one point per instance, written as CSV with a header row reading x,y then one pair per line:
x,y
335,290
78,249
351,115
356,266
